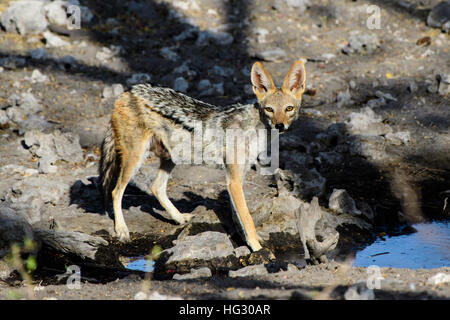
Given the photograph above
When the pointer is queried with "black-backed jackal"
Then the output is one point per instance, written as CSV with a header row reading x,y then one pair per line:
x,y
148,117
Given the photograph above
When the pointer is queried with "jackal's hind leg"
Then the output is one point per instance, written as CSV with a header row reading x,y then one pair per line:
x,y
159,187
131,158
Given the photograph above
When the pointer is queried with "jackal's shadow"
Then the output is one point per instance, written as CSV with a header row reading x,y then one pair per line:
x,y
88,197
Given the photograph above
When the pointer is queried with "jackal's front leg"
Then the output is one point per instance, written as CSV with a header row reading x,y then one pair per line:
x,y
234,180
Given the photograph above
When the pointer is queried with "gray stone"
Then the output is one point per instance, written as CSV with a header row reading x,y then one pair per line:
x,y
276,215
215,35
38,54
37,77
207,89
439,278
21,107
439,15
189,33
222,71
107,53
444,84
12,62
138,78
112,91
366,122
271,55
203,85
184,69
446,27
299,5
4,119
46,166
362,44
86,14
33,122
169,54
54,146
241,251
304,182
180,84
412,86
366,211
24,17
204,272
203,246
47,190
249,271
344,99
53,41
399,138
376,103
15,114
29,104
56,12
330,158
341,202
386,96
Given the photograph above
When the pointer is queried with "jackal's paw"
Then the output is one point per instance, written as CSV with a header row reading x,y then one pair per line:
x,y
122,233
254,245
184,218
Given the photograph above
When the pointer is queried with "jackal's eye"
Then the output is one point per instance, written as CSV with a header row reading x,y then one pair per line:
x,y
268,109
289,108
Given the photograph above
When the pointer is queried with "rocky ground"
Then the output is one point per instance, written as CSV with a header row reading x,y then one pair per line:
x,y
372,144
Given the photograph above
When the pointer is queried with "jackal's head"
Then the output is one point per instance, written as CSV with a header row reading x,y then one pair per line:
x,y
280,106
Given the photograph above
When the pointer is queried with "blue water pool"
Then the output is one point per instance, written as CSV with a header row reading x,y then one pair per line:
x,y
427,248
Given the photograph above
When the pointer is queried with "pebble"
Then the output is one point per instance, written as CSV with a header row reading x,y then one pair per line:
x,y
439,278
361,44
112,91
24,17
271,55
341,202
53,41
169,54
38,54
56,12
180,84
37,77
249,271
138,78
204,272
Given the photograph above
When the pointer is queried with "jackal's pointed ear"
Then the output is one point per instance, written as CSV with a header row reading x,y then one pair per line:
x,y
261,81
294,81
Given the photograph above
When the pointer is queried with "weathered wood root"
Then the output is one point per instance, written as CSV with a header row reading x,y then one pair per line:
x,y
307,217
82,245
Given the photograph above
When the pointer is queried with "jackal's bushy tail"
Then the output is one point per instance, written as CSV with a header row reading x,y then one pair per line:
x,y
108,167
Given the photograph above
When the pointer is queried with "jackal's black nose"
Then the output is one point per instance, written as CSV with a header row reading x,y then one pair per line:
x,y
280,127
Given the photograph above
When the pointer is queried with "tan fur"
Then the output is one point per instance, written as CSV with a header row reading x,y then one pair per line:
x,y
147,117
278,100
